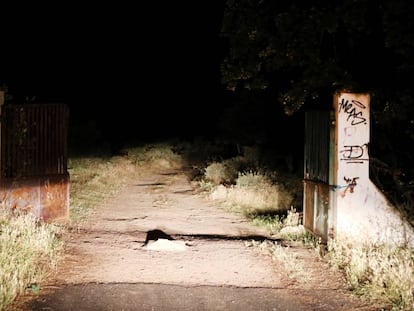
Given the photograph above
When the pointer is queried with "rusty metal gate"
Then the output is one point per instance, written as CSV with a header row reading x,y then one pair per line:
x,y
317,172
33,163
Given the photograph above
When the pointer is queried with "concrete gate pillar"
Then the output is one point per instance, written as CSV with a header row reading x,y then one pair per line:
x,y
360,210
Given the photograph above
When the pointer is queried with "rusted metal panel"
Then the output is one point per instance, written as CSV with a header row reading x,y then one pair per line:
x,y
316,201
33,168
317,145
317,173
46,197
34,140
308,205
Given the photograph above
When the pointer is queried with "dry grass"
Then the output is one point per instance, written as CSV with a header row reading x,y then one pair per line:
x,y
226,171
266,198
292,266
378,272
154,157
254,194
94,180
29,251
381,272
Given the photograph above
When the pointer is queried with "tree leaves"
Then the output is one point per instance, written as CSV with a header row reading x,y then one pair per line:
x,y
299,52
315,46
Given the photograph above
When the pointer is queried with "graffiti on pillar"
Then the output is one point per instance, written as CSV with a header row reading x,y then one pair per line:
x,y
354,154
351,183
353,141
353,108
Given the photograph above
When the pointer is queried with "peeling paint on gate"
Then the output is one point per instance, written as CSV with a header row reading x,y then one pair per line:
x,y
47,197
33,159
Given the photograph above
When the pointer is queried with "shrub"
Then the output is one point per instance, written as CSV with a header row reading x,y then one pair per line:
x,y
382,272
254,193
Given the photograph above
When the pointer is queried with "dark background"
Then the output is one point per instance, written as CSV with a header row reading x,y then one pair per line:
x,y
134,70
137,71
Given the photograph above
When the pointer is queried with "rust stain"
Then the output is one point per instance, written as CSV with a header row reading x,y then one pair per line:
x,y
46,197
316,202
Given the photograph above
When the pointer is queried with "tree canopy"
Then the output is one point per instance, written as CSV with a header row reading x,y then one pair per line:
x,y
300,51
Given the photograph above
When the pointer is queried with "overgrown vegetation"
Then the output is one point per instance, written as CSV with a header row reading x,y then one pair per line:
x,y
377,271
244,182
286,56
94,180
29,252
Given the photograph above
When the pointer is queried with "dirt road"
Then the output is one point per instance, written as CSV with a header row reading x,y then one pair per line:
x,y
203,259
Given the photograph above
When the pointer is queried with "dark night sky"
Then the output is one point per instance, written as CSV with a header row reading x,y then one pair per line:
x,y
138,67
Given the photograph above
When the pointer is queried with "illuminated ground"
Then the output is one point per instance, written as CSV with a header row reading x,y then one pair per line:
x,y
206,263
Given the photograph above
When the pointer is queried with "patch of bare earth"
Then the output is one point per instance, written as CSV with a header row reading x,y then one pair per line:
x,y
206,251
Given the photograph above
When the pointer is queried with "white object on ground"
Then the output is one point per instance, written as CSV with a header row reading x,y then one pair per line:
x,y
166,245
